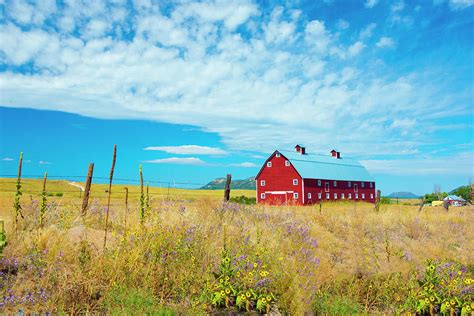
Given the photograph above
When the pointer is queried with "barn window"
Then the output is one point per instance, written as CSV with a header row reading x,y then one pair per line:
x,y
309,196
319,195
277,155
319,183
269,164
363,196
335,196
349,184
356,188
295,196
262,196
349,196
326,187
371,196
371,185
295,181
287,163
342,196
335,183
357,196
262,183
362,184
327,196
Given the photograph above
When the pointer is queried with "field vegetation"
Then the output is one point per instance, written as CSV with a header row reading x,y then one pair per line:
x,y
194,254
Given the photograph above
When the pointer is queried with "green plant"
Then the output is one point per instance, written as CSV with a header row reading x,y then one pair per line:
x,y
44,201
3,237
16,203
326,304
444,287
59,194
142,197
242,283
243,200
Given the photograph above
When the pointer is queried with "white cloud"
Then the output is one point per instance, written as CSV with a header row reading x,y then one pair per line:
x,y
371,3
7,159
460,4
244,165
367,31
356,48
189,150
397,6
283,81
342,24
178,161
386,42
459,164
41,162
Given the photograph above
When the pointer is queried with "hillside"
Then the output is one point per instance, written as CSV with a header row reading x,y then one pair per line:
x,y
219,184
403,195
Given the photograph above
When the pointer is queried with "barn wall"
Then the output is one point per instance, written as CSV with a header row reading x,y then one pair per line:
x,y
279,178
311,186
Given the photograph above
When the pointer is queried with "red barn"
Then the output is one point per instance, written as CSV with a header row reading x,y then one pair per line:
x,y
298,177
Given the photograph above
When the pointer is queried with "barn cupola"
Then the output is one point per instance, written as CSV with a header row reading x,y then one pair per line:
x,y
336,154
300,149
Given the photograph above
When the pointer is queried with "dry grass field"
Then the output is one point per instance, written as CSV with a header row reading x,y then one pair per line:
x,y
194,254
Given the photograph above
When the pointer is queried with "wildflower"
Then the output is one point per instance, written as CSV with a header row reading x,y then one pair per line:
x,y
432,298
427,300
222,292
227,291
255,265
269,298
453,302
227,278
243,296
221,280
459,272
248,294
264,300
250,274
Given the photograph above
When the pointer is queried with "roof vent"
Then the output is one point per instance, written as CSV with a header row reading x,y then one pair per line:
x,y
336,154
300,149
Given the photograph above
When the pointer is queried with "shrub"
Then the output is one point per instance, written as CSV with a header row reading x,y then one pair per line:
x,y
243,200
59,194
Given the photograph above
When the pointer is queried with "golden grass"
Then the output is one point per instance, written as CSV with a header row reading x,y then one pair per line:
x,y
173,254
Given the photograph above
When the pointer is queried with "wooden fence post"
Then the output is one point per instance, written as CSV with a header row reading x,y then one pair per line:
x,y
446,205
110,192
421,205
377,201
87,189
320,207
142,198
43,200
227,187
17,204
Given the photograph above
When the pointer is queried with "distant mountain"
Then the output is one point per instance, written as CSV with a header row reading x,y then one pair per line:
x,y
403,195
219,184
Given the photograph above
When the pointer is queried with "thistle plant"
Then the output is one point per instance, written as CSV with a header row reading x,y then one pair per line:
x,y
44,200
142,197
16,204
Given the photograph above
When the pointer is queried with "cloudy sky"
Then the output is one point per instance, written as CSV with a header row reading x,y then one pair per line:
x,y
194,90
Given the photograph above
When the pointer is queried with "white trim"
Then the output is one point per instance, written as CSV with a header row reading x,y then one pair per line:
x,y
278,192
269,164
287,163
302,189
262,196
262,183
277,155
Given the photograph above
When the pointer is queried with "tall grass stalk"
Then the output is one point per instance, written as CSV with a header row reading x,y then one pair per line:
x,y
142,197
44,201
16,204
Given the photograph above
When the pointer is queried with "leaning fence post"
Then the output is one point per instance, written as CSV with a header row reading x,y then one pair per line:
x,y
17,204
43,200
126,208
87,189
421,205
142,197
320,207
227,187
446,205
377,201
110,191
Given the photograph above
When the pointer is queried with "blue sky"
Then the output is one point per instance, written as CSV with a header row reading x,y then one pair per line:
x,y
387,82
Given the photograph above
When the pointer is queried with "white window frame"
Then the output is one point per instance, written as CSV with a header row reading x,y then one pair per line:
x,y
328,196
371,196
319,196
371,185
356,196
356,188
342,196
363,196
349,184
262,196
335,184
319,183
287,163
362,185
269,164
295,195
262,183
335,196
295,181
326,187
277,155
349,196
309,195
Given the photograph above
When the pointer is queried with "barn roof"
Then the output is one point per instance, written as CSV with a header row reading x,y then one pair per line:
x,y
454,198
316,166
